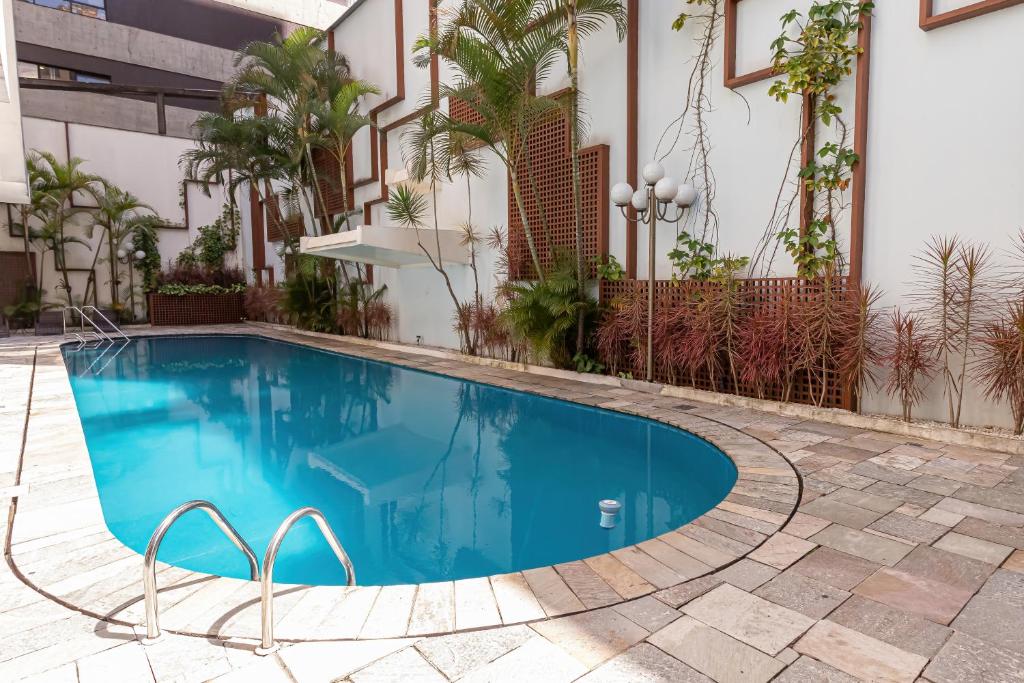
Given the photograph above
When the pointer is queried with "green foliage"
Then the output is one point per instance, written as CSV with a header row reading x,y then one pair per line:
x,y
310,303
680,21
586,364
813,251
610,270
217,240
544,314
184,290
698,260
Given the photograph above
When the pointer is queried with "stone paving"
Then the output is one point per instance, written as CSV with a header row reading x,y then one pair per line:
x,y
905,562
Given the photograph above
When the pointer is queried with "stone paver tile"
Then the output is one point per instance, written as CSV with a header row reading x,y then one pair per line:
x,y
1015,562
996,613
390,614
742,521
592,637
347,618
937,516
263,669
748,618
516,601
803,594
841,475
182,658
329,661
310,611
474,604
859,655
985,512
433,611
722,528
535,660
843,452
841,513
648,567
896,627
866,500
752,512
554,596
1005,535
592,590
910,528
621,578
715,654
644,664
648,612
682,564
868,546
883,473
968,546
904,494
964,658
781,550
926,597
747,574
956,570
707,554
898,460
933,484
122,663
460,653
804,526
405,665
807,670
67,673
677,596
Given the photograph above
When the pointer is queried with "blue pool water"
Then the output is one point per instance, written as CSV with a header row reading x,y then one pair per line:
x,y
423,477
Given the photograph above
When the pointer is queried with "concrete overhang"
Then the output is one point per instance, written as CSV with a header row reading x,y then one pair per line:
x,y
388,246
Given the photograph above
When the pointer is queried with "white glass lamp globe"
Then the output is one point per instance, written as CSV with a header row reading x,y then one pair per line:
x,y
686,195
622,193
121,253
640,200
653,172
665,189
140,255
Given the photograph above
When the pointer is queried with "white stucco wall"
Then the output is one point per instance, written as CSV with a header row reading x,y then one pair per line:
x,y
942,154
13,182
145,165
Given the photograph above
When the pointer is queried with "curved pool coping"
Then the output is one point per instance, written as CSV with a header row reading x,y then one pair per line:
x,y
59,544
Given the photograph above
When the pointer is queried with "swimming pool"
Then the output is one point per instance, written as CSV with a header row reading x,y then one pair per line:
x,y
423,477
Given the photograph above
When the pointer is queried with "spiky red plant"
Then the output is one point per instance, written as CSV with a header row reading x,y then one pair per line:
x,y
910,360
1000,365
858,338
769,341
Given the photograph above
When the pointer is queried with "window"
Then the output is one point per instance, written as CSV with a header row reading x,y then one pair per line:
x,y
96,9
56,73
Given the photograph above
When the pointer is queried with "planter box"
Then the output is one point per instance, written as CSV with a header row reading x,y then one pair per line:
x,y
195,309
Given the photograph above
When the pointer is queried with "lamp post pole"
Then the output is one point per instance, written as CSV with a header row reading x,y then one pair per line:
x,y
651,204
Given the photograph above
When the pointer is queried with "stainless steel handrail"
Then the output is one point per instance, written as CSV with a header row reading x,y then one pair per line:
x,y
107,321
149,563
267,644
85,319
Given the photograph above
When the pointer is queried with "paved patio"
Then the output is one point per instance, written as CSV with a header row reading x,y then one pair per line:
x,y
904,561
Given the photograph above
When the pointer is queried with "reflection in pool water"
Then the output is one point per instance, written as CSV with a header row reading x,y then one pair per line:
x,y
423,477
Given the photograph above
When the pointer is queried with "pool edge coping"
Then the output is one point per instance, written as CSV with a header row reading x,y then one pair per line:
x,y
516,587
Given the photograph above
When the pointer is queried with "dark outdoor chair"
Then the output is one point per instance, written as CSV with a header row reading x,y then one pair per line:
x,y
5,327
50,322
102,324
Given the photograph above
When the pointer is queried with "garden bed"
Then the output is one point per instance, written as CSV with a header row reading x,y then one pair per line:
x,y
195,309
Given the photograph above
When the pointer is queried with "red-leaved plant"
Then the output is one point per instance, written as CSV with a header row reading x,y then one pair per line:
x,y
1000,364
910,360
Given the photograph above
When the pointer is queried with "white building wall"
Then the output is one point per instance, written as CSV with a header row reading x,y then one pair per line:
x,y
943,147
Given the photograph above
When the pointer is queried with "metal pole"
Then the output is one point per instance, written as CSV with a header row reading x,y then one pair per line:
x,y
652,222
131,283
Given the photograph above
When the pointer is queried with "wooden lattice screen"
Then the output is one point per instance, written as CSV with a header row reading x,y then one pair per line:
x,y
329,183
278,227
757,292
551,164
14,272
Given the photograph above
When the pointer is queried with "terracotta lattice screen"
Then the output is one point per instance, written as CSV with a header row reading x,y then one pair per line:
x,y
551,166
807,388
278,227
14,271
328,175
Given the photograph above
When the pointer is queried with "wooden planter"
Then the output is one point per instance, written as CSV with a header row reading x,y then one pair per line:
x,y
195,309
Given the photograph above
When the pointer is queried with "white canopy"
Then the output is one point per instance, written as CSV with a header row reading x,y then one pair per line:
x,y
389,246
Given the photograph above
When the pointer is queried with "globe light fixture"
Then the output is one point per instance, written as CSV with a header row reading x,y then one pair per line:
x,y
121,253
652,204
139,255
622,194
653,172
665,189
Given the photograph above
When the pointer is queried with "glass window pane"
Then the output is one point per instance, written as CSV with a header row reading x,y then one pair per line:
x,y
91,78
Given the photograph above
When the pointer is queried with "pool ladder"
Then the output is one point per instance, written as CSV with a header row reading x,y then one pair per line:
x,y
266,579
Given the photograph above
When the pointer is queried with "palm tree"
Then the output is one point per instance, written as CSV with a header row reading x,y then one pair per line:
x,y
59,183
231,150
498,53
120,215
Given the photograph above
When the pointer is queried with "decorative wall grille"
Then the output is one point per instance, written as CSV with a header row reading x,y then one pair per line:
x,y
278,227
807,388
328,175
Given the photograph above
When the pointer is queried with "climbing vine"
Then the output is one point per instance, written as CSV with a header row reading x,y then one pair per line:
x,y
812,55
215,241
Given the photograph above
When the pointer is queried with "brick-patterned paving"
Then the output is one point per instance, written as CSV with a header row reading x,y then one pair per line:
x,y
904,563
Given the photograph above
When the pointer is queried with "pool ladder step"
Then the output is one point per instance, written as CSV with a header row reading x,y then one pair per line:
x,y
266,577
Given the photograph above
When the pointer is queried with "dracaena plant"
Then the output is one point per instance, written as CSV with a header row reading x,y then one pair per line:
x,y
909,360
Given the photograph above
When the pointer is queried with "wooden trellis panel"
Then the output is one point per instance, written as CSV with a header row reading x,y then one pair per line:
x,y
278,227
329,182
551,165
757,292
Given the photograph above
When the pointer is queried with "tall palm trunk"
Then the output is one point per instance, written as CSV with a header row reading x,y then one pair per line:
x,y
517,192
574,144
